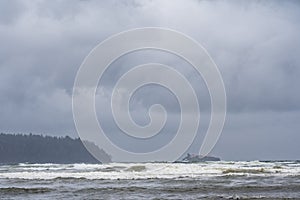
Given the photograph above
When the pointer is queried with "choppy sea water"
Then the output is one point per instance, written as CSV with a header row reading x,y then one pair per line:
x,y
208,180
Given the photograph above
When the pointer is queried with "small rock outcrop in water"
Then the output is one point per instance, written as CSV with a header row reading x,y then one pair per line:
x,y
197,158
45,149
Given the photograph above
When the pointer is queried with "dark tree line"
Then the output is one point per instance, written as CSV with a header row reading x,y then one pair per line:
x,y
22,148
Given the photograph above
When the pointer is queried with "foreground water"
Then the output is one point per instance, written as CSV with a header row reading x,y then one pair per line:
x,y
209,180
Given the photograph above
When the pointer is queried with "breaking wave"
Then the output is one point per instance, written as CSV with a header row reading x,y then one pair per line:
x,y
148,170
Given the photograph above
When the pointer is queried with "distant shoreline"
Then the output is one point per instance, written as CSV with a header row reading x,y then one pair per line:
x,y
42,149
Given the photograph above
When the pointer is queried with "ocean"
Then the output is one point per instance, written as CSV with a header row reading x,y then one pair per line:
x,y
207,180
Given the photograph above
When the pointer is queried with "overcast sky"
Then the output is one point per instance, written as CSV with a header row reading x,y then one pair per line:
x,y
255,44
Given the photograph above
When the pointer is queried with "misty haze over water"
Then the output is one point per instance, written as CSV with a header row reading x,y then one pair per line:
x,y
255,46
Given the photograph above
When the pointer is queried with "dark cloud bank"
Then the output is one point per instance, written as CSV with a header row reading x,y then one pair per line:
x,y
255,44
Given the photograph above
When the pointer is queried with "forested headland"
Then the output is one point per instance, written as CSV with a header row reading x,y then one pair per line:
x,y
29,148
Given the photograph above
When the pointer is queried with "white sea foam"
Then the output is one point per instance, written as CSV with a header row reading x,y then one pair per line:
x,y
148,170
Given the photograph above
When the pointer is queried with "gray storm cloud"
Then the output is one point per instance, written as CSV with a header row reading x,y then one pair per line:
x,y
255,44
